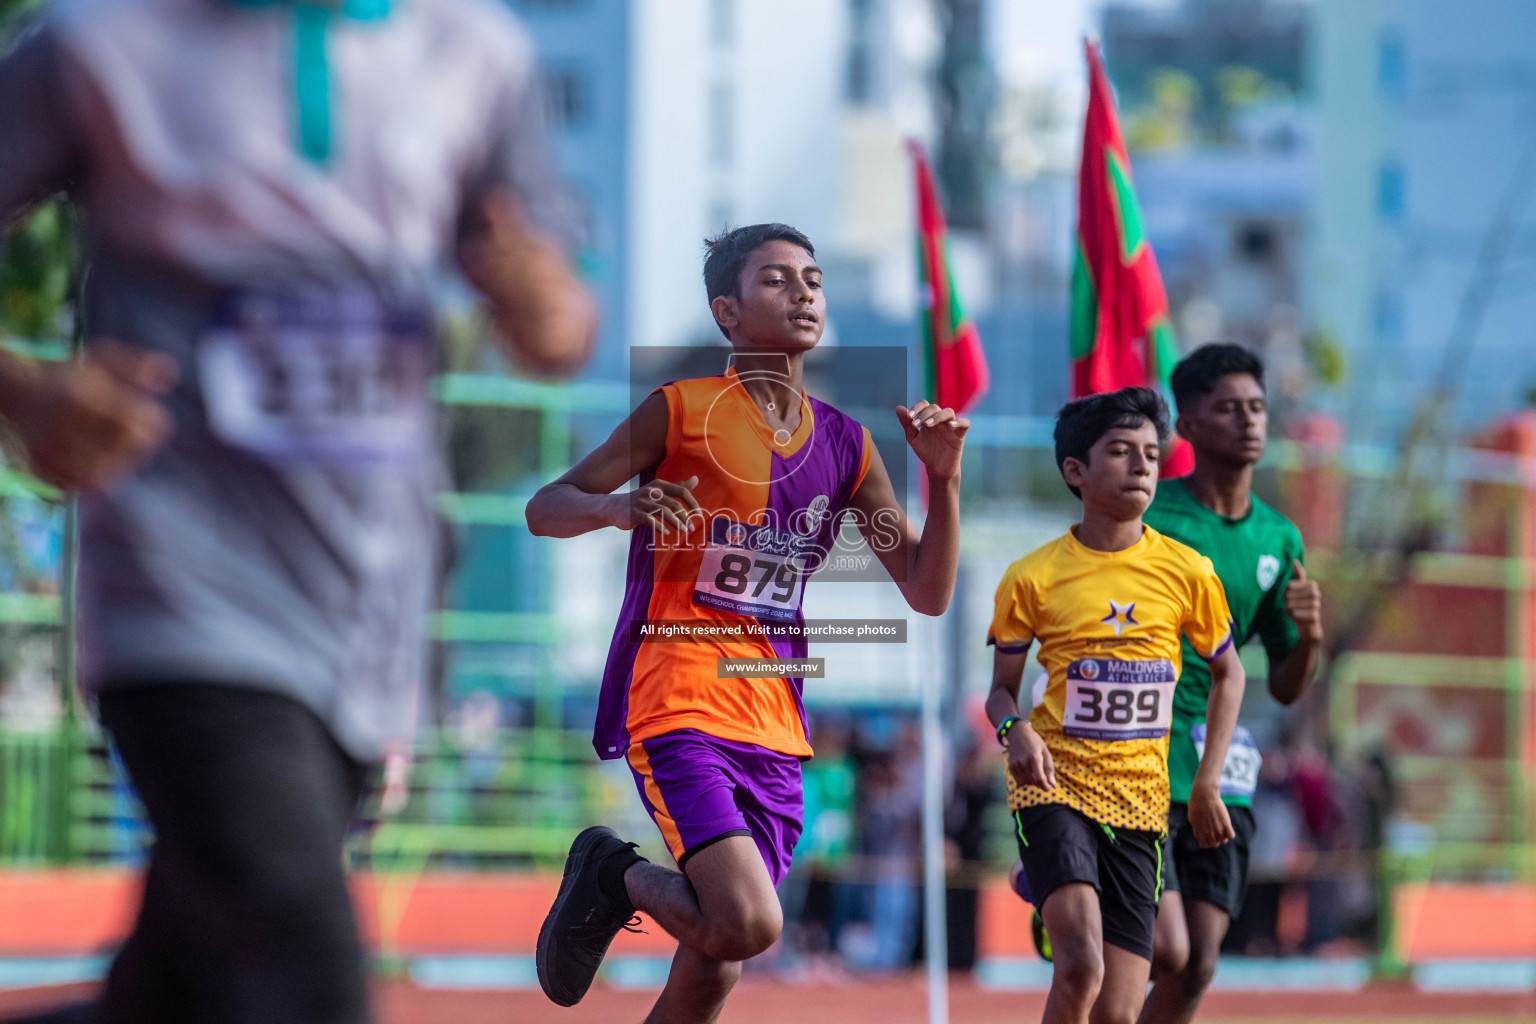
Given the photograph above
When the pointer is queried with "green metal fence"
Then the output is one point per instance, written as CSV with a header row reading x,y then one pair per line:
x,y
513,797
510,799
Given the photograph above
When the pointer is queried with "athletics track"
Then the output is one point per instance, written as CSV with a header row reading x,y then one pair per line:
x,y
470,938
901,1000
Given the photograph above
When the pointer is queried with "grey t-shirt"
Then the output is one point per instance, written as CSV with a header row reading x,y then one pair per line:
x,y
173,123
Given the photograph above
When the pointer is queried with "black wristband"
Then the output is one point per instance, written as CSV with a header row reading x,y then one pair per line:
x,y
1006,726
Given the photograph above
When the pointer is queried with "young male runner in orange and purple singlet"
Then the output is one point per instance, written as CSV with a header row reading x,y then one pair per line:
x,y
745,481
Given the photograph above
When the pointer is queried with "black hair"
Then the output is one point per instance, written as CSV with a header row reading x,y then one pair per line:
x,y
1081,423
726,254
1198,373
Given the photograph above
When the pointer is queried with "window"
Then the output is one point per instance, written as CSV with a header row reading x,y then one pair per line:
x,y
1391,64
858,74
1390,321
576,212
567,96
859,83
719,215
1255,242
722,146
1390,200
722,22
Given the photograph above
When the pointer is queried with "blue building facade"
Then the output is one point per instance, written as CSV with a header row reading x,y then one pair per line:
x,y
584,49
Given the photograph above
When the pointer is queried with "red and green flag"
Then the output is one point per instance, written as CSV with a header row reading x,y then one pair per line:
x,y
1121,335
955,366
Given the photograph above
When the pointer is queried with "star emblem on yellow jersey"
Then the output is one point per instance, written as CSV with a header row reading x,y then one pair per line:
x,y
1116,610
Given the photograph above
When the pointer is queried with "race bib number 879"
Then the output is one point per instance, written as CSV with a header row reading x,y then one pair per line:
x,y
751,570
1112,699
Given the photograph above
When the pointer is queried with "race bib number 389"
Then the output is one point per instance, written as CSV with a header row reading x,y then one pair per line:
x,y
1112,699
319,374
751,570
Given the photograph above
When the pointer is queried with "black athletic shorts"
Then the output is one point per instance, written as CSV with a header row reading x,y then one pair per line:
x,y
1218,876
1058,845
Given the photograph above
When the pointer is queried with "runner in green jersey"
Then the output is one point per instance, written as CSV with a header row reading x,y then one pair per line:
x,y
1258,557
1254,555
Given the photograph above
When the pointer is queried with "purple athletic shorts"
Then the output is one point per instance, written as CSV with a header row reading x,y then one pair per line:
x,y
701,789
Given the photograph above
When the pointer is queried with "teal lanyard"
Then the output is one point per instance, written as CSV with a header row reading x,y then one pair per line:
x,y
311,70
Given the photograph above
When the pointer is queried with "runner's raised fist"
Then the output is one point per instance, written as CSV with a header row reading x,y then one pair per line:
x,y
1304,603
936,434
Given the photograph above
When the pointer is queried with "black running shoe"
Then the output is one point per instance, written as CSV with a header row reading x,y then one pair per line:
x,y
583,920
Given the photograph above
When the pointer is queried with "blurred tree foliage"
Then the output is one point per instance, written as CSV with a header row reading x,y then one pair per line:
x,y
1325,356
1172,109
37,264
11,12
39,252
1167,123
1242,87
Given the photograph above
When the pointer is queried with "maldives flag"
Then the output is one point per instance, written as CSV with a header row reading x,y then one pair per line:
x,y
1121,335
955,366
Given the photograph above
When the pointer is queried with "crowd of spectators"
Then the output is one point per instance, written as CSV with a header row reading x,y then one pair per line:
x,y
853,900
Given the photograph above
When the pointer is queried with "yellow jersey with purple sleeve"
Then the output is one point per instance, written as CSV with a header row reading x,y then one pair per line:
x,y
773,502
1108,627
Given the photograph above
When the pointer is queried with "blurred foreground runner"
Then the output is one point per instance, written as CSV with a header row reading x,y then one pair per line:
x,y
271,191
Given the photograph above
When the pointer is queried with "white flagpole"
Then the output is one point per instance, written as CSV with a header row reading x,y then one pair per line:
x,y
935,936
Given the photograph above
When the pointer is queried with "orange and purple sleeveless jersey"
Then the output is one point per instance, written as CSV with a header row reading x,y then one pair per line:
x,y
772,505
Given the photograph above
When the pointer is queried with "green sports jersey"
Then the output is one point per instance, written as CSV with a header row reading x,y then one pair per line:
x,y
1253,556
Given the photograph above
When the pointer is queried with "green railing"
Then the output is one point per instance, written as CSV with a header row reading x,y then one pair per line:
x,y
512,798
35,787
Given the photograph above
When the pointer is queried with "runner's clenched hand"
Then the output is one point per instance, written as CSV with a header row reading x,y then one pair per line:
x,y
1304,603
1029,760
663,504
1209,818
87,423
936,434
